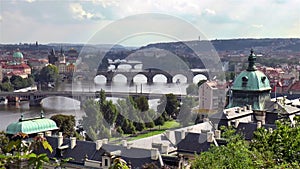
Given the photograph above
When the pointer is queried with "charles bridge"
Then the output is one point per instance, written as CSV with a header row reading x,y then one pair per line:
x,y
148,73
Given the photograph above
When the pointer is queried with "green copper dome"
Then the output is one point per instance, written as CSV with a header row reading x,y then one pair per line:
x,y
251,87
18,55
31,126
251,81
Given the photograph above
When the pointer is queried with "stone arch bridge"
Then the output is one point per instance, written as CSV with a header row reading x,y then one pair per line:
x,y
148,73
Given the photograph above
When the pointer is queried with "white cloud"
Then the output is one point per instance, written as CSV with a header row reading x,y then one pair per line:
x,y
30,1
81,14
258,26
209,12
106,3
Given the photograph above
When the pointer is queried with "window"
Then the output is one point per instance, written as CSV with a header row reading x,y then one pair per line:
x,y
105,162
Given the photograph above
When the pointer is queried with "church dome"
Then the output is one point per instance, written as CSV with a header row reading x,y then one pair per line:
x,y
31,126
251,79
18,55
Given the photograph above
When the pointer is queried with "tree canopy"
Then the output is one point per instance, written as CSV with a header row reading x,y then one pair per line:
x,y
65,123
48,74
269,149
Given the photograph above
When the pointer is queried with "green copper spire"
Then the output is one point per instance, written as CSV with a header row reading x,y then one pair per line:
x,y
251,60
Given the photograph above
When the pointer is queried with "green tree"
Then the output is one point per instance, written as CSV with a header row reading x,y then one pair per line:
x,y
18,82
5,79
186,116
234,155
269,149
142,103
192,89
93,122
49,74
24,151
170,105
6,86
3,142
119,163
65,123
282,144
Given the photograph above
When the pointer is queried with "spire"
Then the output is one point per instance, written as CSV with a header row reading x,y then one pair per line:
x,y
61,50
22,117
42,114
251,61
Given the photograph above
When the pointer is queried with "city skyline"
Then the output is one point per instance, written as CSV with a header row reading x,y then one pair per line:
x,y
78,21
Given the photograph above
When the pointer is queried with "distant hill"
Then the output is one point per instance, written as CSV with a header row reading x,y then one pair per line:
x,y
292,44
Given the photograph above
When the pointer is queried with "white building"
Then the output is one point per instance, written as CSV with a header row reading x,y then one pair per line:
x,y
211,96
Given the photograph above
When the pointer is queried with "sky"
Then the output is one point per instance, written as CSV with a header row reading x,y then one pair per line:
x,y
72,21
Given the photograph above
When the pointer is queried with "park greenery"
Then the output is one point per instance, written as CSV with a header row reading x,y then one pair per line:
x,y
15,83
65,123
48,74
16,150
268,149
104,119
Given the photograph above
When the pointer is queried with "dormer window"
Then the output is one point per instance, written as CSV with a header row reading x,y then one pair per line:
x,y
263,79
244,81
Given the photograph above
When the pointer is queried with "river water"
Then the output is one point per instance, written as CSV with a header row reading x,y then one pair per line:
x,y
60,105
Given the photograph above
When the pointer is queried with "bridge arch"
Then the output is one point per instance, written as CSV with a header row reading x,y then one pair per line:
x,y
140,78
159,78
199,77
181,78
124,66
100,79
120,78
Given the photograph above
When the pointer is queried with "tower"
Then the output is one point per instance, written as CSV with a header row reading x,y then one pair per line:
x,y
251,87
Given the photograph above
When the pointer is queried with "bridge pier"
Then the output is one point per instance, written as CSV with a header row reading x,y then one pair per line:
x,y
189,79
169,79
149,80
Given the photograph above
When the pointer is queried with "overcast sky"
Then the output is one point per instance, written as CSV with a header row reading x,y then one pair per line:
x,y
48,21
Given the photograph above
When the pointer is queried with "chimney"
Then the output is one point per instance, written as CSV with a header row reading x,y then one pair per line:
x,y
164,149
124,143
245,108
236,123
182,134
168,133
259,124
60,139
73,142
48,133
250,107
270,130
154,154
217,134
263,121
98,144
129,145
210,136
40,135
239,110
105,141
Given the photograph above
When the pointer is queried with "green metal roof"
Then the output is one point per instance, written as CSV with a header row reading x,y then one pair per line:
x,y
31,126
18,55
251,81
